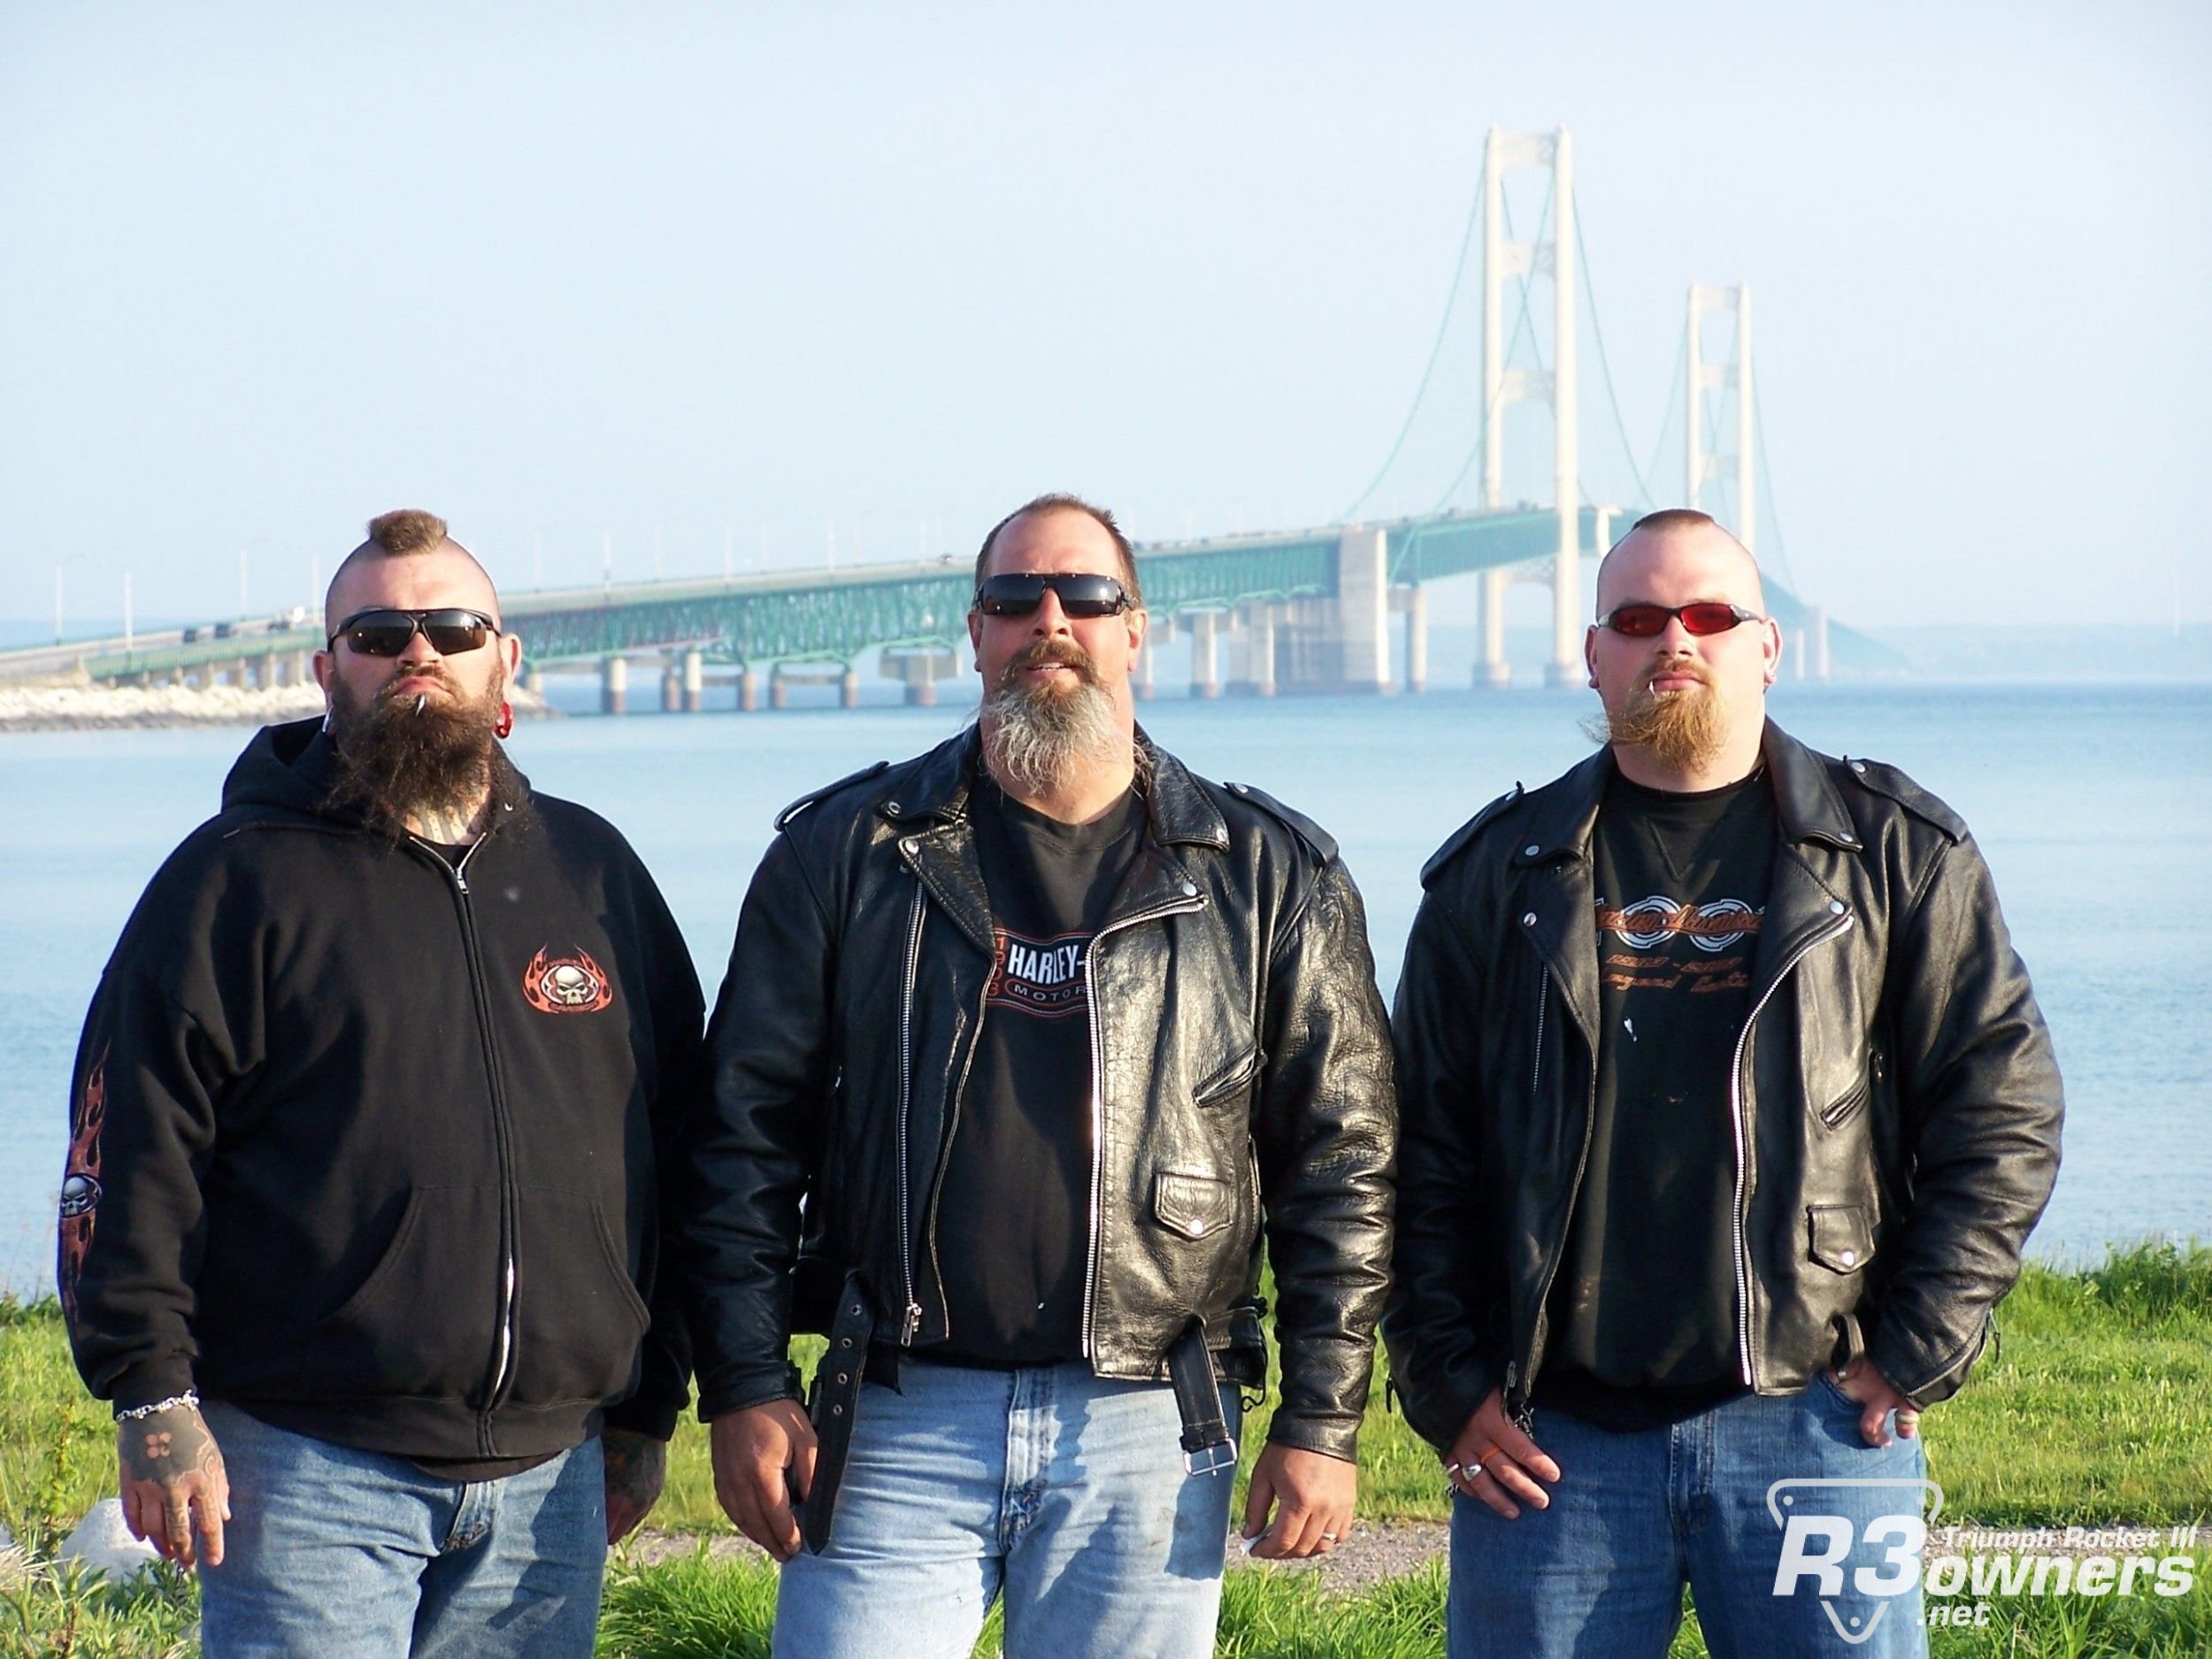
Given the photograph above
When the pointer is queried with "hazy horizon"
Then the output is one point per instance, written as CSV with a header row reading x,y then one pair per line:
x,y
775,286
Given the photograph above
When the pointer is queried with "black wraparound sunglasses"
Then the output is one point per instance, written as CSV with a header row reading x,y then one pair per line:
x,y
1018,593
385,633
1645,622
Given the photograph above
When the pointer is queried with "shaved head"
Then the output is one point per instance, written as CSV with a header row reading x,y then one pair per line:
x,y
1674,535
408,535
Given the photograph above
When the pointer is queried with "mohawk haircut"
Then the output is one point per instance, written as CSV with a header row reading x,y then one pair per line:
x,y
408,530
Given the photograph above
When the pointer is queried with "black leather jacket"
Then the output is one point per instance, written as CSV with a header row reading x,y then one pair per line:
x,y
1242,1074
1896,1102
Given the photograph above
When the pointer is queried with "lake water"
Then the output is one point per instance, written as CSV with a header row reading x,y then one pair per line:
x,y
2092,804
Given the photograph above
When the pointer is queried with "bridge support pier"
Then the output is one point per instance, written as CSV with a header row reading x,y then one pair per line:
x,y
671,687
1252,652
919,668
748,690
534,679
849,688
1142,685
779,688
1818,626
695,682
1205,678
1493,673
614,685
1567,669
1363,609
1413,599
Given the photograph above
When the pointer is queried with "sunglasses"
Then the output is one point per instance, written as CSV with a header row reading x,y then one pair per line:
x,y
1019,593
1645,622
382,633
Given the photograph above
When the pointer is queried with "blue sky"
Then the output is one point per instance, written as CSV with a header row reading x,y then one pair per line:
x,y
648,284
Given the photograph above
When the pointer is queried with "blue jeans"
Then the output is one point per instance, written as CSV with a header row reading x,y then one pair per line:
x,y
1635,1516
1058,1490
334,1552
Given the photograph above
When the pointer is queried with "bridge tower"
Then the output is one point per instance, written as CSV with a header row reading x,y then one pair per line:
x,y
1722,378
1553,257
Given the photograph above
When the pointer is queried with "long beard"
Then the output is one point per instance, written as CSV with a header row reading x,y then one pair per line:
x,y
1040,737
402,758
1680,729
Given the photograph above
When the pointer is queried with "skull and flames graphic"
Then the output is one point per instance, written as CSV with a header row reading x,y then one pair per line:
x,y
567,985
80,1181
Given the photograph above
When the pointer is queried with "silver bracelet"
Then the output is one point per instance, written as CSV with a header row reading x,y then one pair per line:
x,y
187,1398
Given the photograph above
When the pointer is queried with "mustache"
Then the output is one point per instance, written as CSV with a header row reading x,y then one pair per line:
x,y
1066,653
1687,667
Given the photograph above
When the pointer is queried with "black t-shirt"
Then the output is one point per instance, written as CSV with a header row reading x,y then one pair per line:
x,y
1643,1310
1013,1210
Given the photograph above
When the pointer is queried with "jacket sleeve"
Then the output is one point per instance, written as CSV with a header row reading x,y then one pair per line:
x,y
755,1149
678,1012
1326,1136
141,1130
1441,1309
1980,1105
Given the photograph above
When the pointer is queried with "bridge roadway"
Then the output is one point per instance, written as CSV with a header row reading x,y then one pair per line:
x,y
835,616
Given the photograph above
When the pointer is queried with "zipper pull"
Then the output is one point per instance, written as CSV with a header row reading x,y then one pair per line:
x,y
913,1323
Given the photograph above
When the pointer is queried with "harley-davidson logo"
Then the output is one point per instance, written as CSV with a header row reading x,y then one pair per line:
x,y
567,985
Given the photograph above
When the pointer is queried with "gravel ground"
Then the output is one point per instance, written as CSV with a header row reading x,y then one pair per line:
x,y
1375,1551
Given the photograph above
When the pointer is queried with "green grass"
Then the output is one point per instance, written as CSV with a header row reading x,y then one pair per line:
x,y
2096,1408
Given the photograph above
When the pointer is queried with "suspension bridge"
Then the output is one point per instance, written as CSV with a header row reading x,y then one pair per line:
x,y
1336,607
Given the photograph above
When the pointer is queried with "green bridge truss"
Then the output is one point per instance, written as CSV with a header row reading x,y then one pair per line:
x,y
837,616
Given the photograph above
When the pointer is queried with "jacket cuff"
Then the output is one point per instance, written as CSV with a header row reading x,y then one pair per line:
x,y
150,1383
751,1389
1922,1377
654,1419
1332,1437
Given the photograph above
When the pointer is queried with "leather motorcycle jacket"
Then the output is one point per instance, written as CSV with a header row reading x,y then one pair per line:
x,y
1894,1100
1242,1090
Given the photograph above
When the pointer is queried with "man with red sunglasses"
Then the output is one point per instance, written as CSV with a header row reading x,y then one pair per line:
x,y
1025,1046
361,1226
1727,1111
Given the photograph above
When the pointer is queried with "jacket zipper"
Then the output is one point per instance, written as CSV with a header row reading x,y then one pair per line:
x,y
912,1320
1513,1374
1098,1091
1738,1237
503,1367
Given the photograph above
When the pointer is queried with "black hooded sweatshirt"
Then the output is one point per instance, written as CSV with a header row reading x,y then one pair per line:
x,y
373,1144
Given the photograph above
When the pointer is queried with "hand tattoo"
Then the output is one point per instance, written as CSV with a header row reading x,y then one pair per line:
x,y
637,1467
167,1446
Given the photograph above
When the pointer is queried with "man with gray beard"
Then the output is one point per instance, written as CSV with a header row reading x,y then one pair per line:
x,y
1728,1110
361,1226
1025,1047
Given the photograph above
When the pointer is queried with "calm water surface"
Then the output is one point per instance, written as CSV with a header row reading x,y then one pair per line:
x,y
2092,804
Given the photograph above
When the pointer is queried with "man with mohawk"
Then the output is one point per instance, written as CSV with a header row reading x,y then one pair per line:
x,y
361,1231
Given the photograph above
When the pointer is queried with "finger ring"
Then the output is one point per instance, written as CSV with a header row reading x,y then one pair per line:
x,y
1451,1468
1487,1453
1328,1538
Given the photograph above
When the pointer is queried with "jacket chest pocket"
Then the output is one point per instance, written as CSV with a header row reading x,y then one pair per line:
x,y
1192,1205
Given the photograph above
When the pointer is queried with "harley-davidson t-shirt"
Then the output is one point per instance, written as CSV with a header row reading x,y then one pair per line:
x,y
1643,1310
1013,1209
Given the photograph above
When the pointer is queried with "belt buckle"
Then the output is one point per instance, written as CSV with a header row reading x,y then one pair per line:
x,y
1209,1459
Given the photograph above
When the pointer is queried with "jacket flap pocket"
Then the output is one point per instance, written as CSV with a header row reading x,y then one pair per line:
x,y
1228,1079
1192,1205
1840,1236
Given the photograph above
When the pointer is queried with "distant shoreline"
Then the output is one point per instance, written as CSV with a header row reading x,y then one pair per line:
x,y
152,708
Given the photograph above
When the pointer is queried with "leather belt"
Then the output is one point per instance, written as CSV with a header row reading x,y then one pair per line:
x,y
836,1400
1207,1448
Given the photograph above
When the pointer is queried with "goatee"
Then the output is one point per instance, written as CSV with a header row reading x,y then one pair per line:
x,y
405,756
1681,730
1040,736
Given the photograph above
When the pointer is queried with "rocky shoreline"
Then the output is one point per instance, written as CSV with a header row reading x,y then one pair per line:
x,y
134,708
